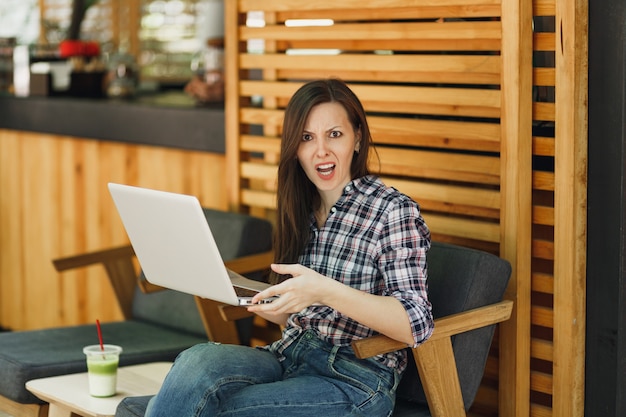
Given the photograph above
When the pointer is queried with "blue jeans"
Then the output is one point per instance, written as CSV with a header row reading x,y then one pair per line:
x,y
315,379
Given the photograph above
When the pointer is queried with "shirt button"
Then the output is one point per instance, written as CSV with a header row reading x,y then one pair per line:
x,y
348,188
333,209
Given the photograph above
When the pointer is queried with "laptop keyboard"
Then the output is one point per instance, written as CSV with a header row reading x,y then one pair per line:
x,y
244,292
240,291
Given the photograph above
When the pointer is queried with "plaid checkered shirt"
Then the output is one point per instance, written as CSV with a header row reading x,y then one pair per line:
x,y
375,240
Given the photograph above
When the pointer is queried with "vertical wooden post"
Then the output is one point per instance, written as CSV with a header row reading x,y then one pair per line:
x,y
516,206
570,207
232,48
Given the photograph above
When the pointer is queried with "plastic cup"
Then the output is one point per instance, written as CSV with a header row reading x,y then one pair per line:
x,y
102,369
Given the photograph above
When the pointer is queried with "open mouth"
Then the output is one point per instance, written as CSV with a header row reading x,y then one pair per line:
x,y
325,169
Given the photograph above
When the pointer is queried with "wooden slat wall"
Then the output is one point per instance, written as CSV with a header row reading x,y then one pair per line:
x,y
457,162
468,114
54,202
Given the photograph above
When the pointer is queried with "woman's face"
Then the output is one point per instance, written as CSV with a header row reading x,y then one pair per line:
x,y
326,149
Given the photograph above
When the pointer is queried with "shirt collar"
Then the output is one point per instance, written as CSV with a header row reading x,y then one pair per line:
x,y
364,185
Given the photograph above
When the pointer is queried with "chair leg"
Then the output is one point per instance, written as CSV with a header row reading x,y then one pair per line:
x,y
217,329
437,369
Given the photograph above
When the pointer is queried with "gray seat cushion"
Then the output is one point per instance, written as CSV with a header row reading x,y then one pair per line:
x,y
42,353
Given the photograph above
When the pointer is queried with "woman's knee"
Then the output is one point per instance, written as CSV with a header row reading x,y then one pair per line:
x,y
223,359
202,358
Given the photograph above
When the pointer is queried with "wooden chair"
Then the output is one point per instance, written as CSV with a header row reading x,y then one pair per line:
x,y
466,287
435,359
158,323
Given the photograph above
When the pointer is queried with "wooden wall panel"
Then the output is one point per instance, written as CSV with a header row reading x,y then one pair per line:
x,y
470,103
412,93
54,202
436,117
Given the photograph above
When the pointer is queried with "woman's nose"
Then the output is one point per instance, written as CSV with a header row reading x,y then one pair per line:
x,y
322,148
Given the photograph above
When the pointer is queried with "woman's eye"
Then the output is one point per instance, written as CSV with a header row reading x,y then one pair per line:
x,y
335,134
306,137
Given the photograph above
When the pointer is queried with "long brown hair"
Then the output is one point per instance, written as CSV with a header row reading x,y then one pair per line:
x,y
296,194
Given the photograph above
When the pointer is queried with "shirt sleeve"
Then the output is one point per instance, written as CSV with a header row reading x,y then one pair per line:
x,y
403,244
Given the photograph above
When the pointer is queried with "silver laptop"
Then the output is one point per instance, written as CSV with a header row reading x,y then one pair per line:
x,y
175,247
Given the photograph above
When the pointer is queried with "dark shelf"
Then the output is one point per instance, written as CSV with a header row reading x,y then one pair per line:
x,y
165,119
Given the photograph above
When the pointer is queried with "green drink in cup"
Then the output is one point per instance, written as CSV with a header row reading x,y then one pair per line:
x,y
102,362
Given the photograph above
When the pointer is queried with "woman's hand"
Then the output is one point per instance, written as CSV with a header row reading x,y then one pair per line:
x,y
306,288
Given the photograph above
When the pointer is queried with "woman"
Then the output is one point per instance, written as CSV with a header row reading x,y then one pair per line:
x,y
350,263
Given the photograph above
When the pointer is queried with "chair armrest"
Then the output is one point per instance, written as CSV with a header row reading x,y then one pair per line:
x,y
444,327
118,263
251,263
92,258
472,319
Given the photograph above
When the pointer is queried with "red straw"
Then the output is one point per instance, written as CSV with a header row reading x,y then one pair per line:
x,y
99,334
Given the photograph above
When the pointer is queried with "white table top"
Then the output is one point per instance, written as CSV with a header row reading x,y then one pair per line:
x,y
70,393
